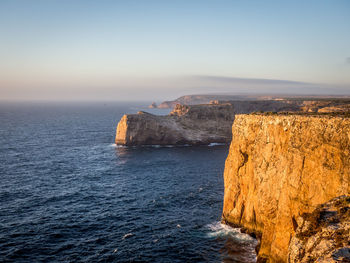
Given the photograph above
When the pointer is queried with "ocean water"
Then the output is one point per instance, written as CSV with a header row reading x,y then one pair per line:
x,y
68,194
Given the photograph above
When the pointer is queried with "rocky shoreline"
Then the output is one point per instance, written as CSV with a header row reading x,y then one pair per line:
x,y
209,123
191,124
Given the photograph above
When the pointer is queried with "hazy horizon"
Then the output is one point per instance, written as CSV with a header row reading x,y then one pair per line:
x,y
160,50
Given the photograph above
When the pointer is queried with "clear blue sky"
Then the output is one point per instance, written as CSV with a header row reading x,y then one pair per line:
x,y
112,46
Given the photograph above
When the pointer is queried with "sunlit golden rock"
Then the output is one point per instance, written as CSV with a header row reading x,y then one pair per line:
x,y
280,166
324,234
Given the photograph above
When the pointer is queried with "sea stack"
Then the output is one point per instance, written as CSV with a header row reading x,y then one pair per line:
x,y
153,105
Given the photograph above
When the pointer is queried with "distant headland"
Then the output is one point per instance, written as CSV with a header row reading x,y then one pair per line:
x,y
205,119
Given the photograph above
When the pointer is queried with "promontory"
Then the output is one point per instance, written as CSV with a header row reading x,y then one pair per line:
x,y
201,124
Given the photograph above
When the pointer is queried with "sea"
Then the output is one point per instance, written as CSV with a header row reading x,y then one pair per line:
x,y
69,194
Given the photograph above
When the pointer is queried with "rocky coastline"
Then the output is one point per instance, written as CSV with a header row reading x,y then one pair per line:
x,y
192,124
209,123
287,168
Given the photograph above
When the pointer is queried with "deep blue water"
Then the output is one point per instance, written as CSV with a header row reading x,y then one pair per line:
x,y
68,194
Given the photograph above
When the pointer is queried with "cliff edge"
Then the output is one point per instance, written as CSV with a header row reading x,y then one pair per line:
x,y
196,124
191,124
280,167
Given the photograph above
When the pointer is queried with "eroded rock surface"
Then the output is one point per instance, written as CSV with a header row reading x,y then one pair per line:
x,y
280,167
191,124
324,234
199,124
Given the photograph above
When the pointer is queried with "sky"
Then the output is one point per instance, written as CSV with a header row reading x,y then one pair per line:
x,y
135,50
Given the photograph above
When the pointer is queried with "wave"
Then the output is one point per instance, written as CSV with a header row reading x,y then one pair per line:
x,y
117,146
165,146
216,144
127,235
218,229
149,146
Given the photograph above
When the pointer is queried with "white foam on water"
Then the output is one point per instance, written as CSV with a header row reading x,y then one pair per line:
x,y
152,146
216,144
127,235
218,229
117,146
164,146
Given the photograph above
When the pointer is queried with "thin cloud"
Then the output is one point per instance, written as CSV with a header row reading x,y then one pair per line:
x,y
232,80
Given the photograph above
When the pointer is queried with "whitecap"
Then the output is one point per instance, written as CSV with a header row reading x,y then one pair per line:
x,y
127,235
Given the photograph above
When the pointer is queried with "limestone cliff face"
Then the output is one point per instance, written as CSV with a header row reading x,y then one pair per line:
x,y
199,124
324,234
279,167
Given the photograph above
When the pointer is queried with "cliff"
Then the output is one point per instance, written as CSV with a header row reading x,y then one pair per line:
x,y
199,124
191,124
279,167
324,234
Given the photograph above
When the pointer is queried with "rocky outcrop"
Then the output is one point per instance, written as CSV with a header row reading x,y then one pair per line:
x,y
279,167
336,108
203,124
199,124
153,105
191,124
324,234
